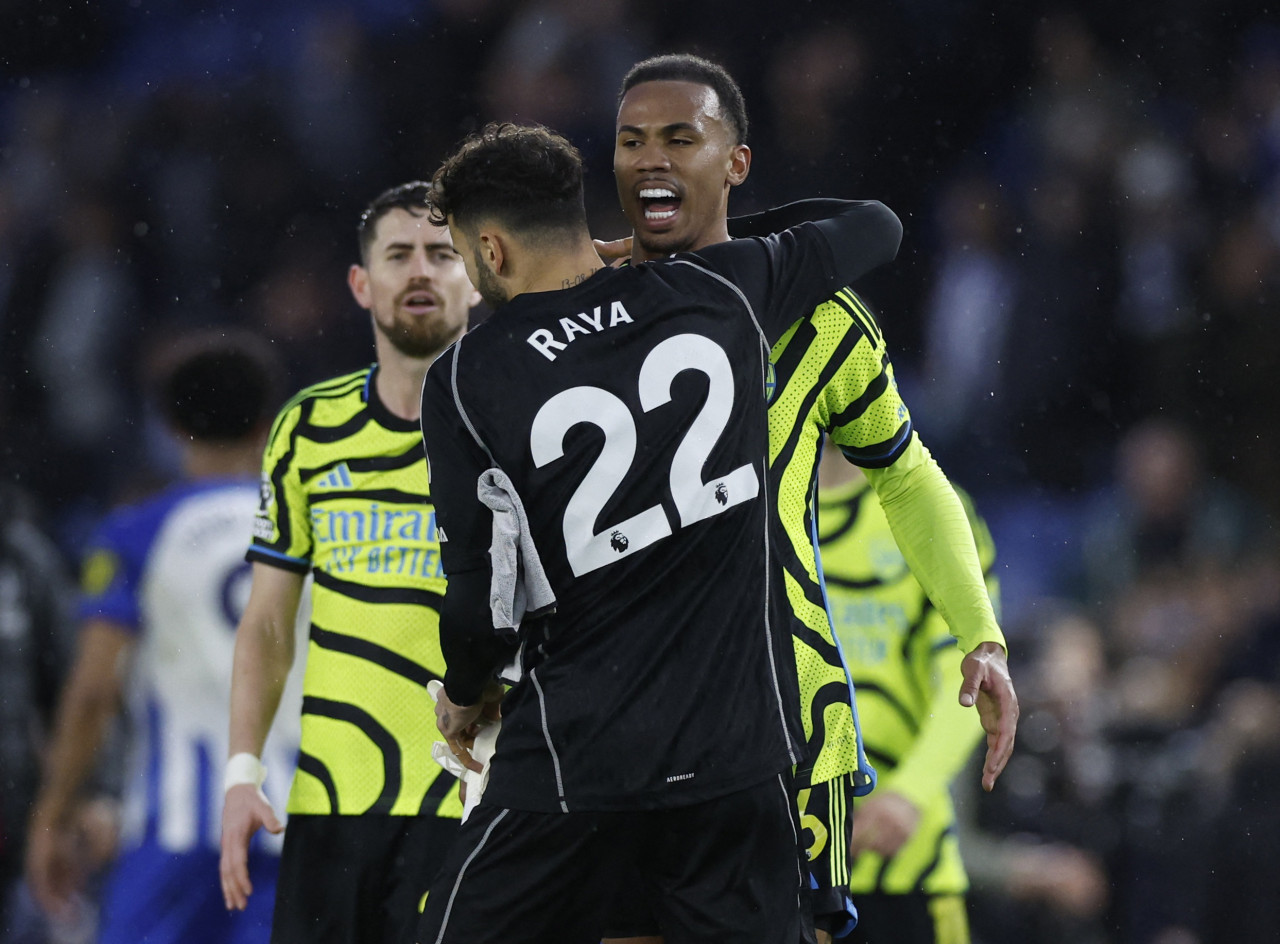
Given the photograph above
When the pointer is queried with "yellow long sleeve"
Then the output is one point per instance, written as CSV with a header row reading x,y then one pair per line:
x,y
933,533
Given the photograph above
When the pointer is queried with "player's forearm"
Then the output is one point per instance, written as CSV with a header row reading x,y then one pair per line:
x,y
473,650
946,739
257,683
264,653
862,234
89,701
78,735
932,531
776,219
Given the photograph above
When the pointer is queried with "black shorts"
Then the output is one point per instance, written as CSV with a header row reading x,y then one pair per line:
x,y
356,879
914,918
726,870
826,824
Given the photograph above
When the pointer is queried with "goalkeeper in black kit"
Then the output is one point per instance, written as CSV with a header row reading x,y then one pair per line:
x,y
617,416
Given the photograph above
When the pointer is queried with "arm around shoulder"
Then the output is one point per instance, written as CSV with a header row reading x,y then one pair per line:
x,y
863,235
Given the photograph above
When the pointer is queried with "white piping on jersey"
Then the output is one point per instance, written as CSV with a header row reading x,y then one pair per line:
x,y
542,701
768,626
737,291
457,883
546,733
790,807
457,402
768,509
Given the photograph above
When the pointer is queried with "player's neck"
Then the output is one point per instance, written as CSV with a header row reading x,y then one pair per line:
x,y
399,379
555,271
716,234
399,383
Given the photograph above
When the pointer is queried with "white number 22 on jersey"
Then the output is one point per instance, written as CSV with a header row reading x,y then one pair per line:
x,y
695,500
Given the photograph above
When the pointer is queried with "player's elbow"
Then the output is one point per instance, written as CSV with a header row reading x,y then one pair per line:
x,y
888,229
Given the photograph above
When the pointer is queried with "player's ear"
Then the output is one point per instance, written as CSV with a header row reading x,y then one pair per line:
x,y
493,250
358,282
739,164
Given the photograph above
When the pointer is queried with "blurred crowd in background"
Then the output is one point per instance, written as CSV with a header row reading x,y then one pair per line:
x,y
1084,320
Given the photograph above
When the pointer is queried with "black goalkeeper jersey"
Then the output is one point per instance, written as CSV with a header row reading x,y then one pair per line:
x,y
630,414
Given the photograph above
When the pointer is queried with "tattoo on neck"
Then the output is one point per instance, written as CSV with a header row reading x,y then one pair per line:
x,y
580,278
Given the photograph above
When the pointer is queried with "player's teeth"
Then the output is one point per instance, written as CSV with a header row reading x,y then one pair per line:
x,y
659,214
655,193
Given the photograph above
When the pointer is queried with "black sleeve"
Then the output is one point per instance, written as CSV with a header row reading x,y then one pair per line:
x,y
454,462
787,275
862,237
472,648
473,651
775,220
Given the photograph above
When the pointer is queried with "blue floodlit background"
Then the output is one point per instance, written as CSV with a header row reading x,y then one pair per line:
x,y
1083,320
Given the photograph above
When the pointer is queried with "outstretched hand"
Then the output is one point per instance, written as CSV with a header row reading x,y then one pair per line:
x,y
63,852
988,686
244,810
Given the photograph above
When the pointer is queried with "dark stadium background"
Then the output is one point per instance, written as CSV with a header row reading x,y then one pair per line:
x,y
1091,197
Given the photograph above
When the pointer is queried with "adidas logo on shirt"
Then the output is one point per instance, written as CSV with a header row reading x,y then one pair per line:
x,y
340,477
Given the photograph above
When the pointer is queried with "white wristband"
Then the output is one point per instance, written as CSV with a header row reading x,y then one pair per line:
x,y
244,768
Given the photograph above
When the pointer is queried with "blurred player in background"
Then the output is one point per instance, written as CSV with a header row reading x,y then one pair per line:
x,y
164,582
908,880
344,497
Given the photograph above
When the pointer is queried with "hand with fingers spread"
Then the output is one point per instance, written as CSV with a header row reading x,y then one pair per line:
x,y
988,686
245,810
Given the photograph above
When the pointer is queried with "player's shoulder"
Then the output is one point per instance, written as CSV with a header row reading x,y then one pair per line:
x,y
846,307
720,256
133,525
351,387
442,367
713,275
343,385
437,385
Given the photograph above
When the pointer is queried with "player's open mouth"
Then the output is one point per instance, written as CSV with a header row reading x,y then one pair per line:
x,y
659,204
419,302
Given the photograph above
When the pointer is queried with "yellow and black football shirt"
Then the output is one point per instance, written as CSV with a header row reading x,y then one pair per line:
x,y
344,497
905,665
830,373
